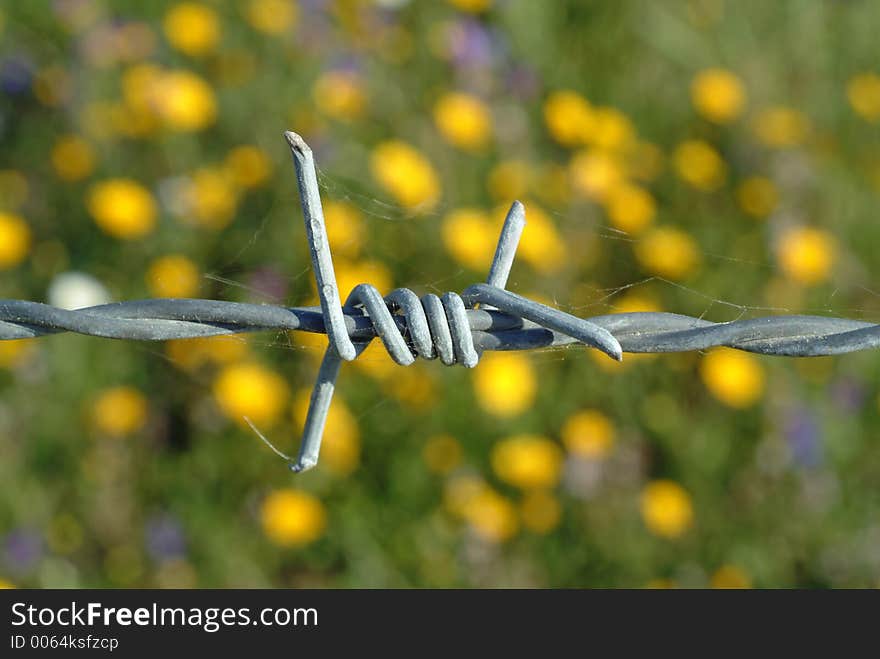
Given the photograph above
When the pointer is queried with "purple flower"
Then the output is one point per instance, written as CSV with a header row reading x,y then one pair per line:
x,y
470,45
23,549
164,538
15,76
269,284
848,394
803,435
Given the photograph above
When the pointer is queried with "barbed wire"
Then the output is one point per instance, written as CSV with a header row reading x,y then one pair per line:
x,y
449,327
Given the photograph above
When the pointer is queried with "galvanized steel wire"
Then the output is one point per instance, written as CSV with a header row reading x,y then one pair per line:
x,y
447,327
639,332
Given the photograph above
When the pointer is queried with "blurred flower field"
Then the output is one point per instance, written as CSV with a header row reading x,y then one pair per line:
x,y
704,157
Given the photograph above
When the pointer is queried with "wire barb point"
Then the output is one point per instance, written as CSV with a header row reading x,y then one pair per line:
x,y
296,142
302,465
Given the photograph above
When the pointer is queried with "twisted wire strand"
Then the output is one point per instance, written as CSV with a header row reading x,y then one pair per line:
x,y
636,332
456,328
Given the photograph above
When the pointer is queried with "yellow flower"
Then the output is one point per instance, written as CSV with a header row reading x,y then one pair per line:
x,y
730,576
668,252
139,86
505,383
132,122
806,255
341,444
635,301
757,196
541,245
733,377
442,453
250,390
781,127
210,198
595,173
463,120
345,228
699,165
191,354
73,158
413,386
122,208
460,492
119,411
718,95
340,94
666,508
374,361
248,166
863,92
471,6
272,16
588,434
138,115
540,511
527,461
509,180
185,101
492,516
15,240
610,129
292,518
351,273
192,28
630,208
173,276
469,237
406,174
15,352
569,117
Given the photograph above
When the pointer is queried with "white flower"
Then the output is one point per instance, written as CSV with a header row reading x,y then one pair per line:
x,y
75,290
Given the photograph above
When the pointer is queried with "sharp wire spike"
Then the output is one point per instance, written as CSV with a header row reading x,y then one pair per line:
x,y
322,261
508,241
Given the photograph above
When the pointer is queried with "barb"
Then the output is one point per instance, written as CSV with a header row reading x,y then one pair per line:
x,y
455,328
